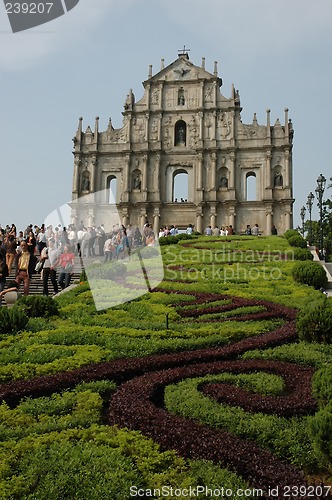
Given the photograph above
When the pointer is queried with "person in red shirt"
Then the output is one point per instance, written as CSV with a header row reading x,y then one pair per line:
x,y
66,264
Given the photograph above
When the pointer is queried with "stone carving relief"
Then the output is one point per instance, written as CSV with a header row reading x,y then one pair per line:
x,y
224,125
139,130
154,131
155,97
167,138
193,132
193,99
208,125
170,99
208,94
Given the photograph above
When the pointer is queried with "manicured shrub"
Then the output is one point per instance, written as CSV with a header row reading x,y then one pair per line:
x,y
320,428
299,254
297,241
173,240
168,240
148,252
12,320
310,273
291,232
37,306
322,385
315,322
185,236
106,271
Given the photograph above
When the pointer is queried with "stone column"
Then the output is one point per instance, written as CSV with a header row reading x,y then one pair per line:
x,y
232,171
268,222
156,222
126,175
91,217
145,178
159,117
125,218
213,171
288,220
268,170
214,126
94,161
199,222
76,177
200,177
287,173
157,180
231,216
143,218
200,125
201,97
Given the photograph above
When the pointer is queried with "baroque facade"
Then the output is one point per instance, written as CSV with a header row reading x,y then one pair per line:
x,y
233,173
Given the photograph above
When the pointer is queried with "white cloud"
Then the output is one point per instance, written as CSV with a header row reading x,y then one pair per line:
x,y
28,48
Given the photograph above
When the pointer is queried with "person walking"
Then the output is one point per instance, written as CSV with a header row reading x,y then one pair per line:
x,y
25,264
50,255
66,264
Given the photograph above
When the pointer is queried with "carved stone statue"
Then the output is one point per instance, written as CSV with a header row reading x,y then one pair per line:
x,y
181,136
223,182
137,182
278,180
85,183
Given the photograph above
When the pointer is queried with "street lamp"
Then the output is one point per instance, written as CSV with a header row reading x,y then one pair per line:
x,y
310,201
321,181
302,214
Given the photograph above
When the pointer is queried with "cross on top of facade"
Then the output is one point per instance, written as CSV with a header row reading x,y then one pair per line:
x,y
184,51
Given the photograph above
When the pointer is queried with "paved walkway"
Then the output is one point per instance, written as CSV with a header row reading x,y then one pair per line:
x,y
328,269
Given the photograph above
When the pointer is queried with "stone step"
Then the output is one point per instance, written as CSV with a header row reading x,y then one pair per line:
x,y
36,283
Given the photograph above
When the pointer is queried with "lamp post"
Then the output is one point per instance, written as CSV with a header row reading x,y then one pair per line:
x,y
302,214
321,181
310,201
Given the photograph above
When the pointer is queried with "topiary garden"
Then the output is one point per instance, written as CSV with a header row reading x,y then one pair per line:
x,y
218,378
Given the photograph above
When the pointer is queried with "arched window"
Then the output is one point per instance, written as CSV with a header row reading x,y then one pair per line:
x,y
251,193
112,187
180,186
180,133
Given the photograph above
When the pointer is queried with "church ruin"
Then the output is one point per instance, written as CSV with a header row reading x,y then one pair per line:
x,y
184,136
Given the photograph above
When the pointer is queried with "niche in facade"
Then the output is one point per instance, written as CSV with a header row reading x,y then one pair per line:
x,y
180,132
137,179
181,98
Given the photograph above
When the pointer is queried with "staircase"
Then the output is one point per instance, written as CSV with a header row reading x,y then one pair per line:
x,y
327,267
36,282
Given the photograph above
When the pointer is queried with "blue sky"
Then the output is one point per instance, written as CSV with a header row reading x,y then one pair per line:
x,y
82,64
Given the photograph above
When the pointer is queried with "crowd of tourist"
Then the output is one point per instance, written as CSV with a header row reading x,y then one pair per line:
x,y
51,251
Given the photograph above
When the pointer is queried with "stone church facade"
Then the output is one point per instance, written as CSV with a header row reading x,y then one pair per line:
x,y
232,173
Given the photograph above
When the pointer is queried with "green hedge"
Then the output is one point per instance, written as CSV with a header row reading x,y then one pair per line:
x,y
37,306
291,232
297,241
310,273
314,323
12,320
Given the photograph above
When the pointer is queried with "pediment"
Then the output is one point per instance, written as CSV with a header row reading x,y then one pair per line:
x,y
181,70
